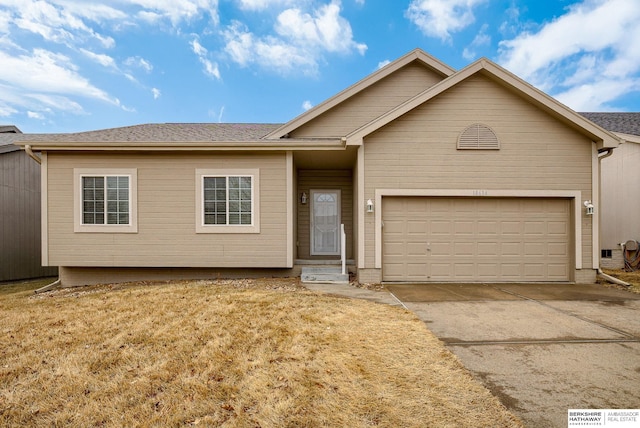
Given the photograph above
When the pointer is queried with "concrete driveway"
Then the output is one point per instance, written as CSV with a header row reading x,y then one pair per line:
x,y
541,349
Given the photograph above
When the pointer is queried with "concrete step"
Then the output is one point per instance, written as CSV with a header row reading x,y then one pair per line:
x,y
323,275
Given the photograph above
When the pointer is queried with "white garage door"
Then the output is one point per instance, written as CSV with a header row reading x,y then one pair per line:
x,y
476,239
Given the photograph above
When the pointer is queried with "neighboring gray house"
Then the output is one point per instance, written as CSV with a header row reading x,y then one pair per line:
x,y
620,187
20,254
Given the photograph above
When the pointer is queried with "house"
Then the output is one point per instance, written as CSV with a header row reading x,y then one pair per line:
x,y
437,175
19,212
620,193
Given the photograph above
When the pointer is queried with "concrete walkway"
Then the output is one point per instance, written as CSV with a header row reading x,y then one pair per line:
x,y
541,349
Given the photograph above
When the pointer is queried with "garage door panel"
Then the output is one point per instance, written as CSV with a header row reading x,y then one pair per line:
x,y
476,239
394,226
416,249
441,227
417,227
557,228
511,228
534,249
488,270
464,271
488,228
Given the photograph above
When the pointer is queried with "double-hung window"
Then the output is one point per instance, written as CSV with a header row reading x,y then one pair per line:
x,y
105,200
227,201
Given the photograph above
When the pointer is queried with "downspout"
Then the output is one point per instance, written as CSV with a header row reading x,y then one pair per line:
x,y
27,148
48,287
609,278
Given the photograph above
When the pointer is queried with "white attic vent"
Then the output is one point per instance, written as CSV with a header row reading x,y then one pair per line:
x,y
478,137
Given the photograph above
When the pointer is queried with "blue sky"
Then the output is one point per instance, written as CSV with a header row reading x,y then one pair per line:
x,y
77,65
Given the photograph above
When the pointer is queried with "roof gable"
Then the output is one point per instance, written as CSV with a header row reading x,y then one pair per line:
x,y
604,138
416,55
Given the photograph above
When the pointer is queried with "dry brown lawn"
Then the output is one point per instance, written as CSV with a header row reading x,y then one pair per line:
x,y
632,278
263,353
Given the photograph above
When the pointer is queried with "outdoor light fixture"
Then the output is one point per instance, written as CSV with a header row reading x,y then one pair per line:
x,y
369,206
589,206
303,198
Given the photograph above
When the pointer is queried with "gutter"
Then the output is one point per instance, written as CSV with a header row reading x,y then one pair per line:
x,y
27,148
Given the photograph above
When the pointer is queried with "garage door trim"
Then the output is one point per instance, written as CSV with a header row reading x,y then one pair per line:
x,y
575,195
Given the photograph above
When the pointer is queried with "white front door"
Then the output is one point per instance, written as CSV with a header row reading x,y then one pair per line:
x,y
325,222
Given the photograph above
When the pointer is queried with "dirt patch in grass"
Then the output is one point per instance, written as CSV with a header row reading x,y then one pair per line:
x,y
226,353
632,278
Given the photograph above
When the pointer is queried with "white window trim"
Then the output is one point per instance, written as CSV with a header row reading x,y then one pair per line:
x,y
79,227
254,227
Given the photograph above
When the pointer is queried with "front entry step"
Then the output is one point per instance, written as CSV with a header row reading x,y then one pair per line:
x,y
323,275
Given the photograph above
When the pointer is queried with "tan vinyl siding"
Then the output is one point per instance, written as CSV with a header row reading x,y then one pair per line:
x,y
537,152
166,221
370,103
620,196
20,256
326,180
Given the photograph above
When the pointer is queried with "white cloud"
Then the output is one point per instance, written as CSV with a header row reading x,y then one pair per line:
x,y
440,18
35,115
306,105
300,40
156,93
139,62
480,40
101,59
47,72
5,17
384,63
210,68
259,5
586,58
270,53
325,29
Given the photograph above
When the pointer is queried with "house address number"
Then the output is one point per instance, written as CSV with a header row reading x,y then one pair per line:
x,y
480,193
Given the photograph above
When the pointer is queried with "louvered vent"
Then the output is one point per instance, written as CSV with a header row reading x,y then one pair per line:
x,y
478,137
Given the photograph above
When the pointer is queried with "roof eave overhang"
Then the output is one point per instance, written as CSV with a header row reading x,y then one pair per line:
x,y
262,145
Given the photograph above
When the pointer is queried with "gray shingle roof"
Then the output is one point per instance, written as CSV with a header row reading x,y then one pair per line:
x,y
8,134
625,123
628,123
165,132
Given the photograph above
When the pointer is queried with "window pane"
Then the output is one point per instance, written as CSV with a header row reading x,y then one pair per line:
x,y
92,200
227,200
234,194
215,198
117,200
